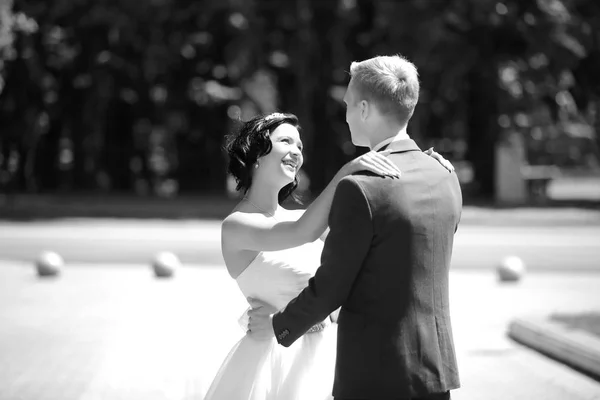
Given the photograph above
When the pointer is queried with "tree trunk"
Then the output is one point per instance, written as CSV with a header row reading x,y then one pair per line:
x,y
482,126
119,145
482,114
46,164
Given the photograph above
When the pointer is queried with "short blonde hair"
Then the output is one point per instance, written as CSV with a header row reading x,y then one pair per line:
x,y
390,82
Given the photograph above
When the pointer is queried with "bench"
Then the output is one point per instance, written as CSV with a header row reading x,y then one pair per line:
x,y
538,177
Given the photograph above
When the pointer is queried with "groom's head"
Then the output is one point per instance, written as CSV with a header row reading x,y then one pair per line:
x,y
382,90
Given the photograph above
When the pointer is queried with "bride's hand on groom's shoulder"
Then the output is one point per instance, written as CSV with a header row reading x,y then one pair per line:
x,y
260,320
376,162
445,163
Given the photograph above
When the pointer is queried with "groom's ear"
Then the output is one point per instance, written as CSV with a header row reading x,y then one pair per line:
x,y
365,109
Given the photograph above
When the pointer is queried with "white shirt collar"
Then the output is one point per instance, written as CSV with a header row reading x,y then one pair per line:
x,y
402,135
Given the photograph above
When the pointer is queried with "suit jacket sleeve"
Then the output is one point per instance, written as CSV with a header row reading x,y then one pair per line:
x,y
343,254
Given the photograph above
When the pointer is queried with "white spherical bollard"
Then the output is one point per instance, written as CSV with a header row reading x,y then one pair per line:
x,y
511,269
48,264
165,264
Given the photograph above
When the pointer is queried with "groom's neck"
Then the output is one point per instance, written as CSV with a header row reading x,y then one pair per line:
x,y
385,133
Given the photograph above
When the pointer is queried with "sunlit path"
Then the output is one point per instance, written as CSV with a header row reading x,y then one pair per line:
x,y
477,246
119,333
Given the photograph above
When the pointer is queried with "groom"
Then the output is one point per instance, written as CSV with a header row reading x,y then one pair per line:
x,y
387,255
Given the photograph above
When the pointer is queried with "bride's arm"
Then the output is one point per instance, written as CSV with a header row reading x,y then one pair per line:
x,y
257,232
324,234
430,152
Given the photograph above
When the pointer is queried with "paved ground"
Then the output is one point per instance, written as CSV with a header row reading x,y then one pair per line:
x,y
112,241
108,330
571,246
569,190
493,366
118,333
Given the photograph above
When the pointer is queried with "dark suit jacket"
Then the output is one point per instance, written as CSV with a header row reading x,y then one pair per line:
x,y
386,262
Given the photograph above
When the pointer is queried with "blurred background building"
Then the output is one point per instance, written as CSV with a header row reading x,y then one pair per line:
x,y
135,97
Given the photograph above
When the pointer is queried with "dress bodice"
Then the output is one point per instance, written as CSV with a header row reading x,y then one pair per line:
x,y
276,277
262,369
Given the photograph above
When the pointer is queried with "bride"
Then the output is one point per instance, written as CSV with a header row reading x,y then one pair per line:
x,y
272,252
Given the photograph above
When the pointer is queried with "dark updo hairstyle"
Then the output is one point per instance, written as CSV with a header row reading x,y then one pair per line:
x,y
252,141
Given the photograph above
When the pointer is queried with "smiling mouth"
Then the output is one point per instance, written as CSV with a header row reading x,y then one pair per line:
x,y
290,165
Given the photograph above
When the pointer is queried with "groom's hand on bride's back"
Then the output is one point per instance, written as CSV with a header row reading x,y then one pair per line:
x,y
260,320
264,307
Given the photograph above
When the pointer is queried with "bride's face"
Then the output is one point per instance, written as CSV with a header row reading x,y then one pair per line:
x,y
285,159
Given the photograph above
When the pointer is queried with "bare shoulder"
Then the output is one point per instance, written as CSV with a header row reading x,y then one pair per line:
x,y
240,219
295,214
284,214
235,224
234,218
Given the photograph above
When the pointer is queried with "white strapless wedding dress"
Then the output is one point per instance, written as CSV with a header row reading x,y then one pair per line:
x,y
265,370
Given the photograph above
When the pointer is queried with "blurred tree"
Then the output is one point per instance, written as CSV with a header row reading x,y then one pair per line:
x,y
521,56
114,96
15,148
485,65
133,97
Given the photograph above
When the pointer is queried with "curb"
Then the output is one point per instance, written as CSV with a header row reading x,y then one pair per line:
x,y
28,207
575,348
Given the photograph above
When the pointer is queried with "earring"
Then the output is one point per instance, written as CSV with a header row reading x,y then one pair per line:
x,y
256,165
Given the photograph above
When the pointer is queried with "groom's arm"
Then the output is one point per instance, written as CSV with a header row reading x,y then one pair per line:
x,y
345,249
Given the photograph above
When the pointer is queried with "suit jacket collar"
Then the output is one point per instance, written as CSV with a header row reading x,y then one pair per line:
x,y
400,146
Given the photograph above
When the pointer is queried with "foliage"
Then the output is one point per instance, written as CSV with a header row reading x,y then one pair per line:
x,y
123,95
10,23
